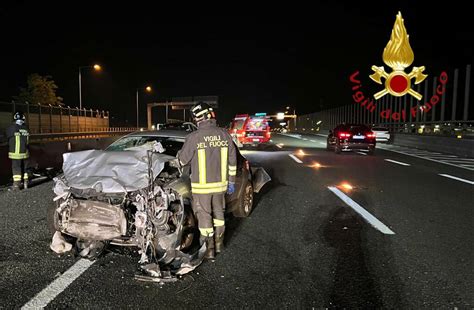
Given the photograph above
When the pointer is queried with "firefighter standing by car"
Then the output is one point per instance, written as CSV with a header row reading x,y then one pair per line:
x,y
18,143
213,159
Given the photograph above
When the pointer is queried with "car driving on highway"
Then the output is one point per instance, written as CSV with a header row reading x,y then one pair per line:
x,y
349,137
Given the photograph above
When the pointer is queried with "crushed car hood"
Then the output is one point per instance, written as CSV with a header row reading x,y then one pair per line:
x,y
111,171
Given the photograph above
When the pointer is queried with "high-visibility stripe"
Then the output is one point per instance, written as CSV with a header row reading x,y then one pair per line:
x,y
16,177
207,232
202,166
232,173
224,152
18,156
17,144
202,112
25,176
209,190
218,222
232,168
208,185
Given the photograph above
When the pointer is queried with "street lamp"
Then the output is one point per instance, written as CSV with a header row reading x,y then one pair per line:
x,y
147,89
96,67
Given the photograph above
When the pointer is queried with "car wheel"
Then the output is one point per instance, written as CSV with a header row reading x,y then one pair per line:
x,y
189,230
245,202
52,218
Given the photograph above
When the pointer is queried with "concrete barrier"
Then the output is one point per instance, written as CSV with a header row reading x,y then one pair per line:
x,y
50,154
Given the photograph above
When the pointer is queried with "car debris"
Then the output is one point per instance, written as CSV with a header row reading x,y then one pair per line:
x,y
126,199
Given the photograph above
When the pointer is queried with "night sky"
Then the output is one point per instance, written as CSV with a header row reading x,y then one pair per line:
x,y
256,58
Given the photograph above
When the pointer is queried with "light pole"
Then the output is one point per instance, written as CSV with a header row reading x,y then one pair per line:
x,y
148,89
96,68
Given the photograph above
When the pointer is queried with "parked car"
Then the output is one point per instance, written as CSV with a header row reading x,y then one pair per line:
x,y
135,194
349,137
382,134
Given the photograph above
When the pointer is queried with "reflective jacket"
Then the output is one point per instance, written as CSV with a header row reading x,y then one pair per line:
x,y
18,139
211,152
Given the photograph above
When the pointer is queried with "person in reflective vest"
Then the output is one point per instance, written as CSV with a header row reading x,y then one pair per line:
x,y
18,143
211,153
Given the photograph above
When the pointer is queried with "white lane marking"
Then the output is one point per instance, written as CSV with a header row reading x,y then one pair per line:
x,y
323,143
396,162
361,153
304,139
430,159
313,141
295,158
321,135
372,220
461,160
456,178
279,146
43,298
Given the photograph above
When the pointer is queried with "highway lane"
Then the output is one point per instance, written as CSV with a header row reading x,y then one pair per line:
x,y
301,247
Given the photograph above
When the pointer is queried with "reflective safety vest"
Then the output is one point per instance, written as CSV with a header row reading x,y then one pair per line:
x,y
18,139
211,152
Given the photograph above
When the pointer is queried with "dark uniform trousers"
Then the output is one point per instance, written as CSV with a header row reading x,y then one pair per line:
x,y
19,168
209,210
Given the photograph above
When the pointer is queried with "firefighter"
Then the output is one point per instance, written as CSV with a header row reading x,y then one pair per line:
x,y
212,155
18,139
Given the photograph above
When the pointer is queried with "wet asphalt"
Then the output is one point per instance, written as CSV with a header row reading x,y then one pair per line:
x,y
302,246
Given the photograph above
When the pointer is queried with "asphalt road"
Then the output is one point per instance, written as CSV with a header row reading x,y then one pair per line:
x,y
302,247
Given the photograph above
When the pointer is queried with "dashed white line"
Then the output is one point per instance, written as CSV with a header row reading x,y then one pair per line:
x,y
361,153
295,158
456,178
279,146
372,220
313,141
321,135
430,159
323,143
397,162
304,139
43,298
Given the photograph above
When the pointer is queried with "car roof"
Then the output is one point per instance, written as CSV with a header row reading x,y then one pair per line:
x,y
160,133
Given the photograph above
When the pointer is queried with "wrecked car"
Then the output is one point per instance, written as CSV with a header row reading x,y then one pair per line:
x,y
135,194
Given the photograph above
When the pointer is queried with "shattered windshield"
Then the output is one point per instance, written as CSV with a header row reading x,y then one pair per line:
x,y
171,145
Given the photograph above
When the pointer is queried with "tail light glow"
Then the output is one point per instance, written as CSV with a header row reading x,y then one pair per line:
x,y
344,135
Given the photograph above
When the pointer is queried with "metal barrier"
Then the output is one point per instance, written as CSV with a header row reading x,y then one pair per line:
x,y
54,119
404,114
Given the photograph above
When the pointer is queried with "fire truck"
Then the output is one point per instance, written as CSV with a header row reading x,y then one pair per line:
x,y
251,129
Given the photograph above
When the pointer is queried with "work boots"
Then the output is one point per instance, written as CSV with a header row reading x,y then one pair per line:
x,y
219,243
210,254
16,186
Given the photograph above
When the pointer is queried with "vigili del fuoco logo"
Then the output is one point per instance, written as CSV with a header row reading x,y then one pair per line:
x,y
398,55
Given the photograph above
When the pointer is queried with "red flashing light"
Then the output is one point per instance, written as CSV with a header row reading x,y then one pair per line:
x,y
344,135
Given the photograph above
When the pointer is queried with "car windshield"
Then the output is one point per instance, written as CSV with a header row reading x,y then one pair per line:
x,y
257,124
171,145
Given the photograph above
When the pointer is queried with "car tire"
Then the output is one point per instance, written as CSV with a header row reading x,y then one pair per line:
x,y
52,218
245,204
189,230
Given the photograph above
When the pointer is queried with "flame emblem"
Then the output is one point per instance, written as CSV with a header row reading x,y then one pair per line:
x,y
398,55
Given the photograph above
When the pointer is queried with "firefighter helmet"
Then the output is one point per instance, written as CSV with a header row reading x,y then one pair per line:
x,y
202,111
19,116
